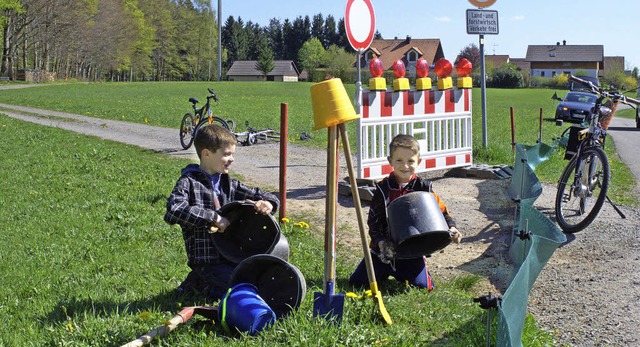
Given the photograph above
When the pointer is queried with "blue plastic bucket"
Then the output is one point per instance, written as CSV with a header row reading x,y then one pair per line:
x,y
242,309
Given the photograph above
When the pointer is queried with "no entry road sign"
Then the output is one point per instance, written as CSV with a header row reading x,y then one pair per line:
x,y
360,23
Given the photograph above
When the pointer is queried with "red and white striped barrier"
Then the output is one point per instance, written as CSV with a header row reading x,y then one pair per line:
x,y
439,119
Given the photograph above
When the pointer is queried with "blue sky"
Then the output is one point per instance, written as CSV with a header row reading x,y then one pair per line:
x,y
521,23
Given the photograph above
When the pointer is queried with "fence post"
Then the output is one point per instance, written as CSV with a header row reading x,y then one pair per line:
x,y
284,138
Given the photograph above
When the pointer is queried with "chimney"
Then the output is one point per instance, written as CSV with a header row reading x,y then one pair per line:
x,y
558,43
408,39
564,42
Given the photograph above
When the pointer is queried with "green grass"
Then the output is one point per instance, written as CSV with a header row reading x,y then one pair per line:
x,y
88,261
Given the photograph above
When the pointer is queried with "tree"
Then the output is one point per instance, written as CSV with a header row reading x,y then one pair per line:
x,y
472,53
343,40
275,38
339,62
330,35
311,56
9,10
317,27
265,60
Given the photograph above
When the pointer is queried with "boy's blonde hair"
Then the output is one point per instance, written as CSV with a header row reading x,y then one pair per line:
x,y
404,141
213,137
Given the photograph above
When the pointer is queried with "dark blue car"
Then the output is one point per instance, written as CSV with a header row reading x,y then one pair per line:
x,y
576,106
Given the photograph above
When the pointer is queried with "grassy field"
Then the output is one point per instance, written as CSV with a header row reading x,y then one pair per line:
x,y
164,104
87,260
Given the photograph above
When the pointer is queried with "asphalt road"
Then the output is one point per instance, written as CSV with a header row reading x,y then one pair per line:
x,y
627,138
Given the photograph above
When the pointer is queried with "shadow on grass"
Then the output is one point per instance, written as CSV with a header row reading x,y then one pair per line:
x,y
171,302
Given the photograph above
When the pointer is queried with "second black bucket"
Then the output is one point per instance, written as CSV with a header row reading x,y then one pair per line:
x,y
279,283
416,225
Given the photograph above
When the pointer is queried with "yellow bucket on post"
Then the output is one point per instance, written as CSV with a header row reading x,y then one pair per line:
x,y
331,104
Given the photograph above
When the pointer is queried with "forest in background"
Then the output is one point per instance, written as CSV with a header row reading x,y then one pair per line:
x,y
147,40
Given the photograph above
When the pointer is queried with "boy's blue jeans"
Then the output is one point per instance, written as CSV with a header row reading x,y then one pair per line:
x,y
209,279
414,271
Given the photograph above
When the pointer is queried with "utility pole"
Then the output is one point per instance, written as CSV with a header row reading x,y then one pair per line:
x,y
219,40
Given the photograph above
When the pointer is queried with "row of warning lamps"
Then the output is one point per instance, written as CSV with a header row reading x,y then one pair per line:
x,y
442,68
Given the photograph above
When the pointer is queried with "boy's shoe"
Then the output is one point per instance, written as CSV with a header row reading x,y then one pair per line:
x,y
190,284
430,284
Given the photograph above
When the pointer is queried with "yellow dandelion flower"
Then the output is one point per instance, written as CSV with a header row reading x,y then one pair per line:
x,y
285,220
70,326
302,225
144,314
353,295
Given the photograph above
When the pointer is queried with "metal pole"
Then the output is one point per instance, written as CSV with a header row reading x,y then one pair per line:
x,y
219,40
483,90
358,103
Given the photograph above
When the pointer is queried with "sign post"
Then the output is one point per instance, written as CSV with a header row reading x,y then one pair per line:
x,y
482,22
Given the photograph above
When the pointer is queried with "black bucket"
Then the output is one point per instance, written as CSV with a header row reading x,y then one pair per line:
x,y
416,225
249,233
279,283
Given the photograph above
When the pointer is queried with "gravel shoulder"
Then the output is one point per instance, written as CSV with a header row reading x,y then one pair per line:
x,y
588,294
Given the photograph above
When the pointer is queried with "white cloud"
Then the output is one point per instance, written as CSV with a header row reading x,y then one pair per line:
x,y
443,19
518,18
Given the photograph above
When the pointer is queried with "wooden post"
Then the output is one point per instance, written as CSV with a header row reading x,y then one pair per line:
x,y
513,131
540,128
284,138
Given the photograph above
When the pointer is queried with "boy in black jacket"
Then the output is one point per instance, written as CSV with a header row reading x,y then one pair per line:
x,y
404,158
194,202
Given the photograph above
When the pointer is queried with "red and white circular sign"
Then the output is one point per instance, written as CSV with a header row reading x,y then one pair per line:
x,y
360,23
482,3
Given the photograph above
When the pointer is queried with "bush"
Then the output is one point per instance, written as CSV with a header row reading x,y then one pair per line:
x,y
559,81
507,76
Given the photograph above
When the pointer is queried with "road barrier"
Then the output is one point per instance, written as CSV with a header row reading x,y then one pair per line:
x,y
439,119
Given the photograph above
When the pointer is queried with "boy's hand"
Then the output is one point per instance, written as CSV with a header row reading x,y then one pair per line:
x,y
455,235
261,206
220,225
387,252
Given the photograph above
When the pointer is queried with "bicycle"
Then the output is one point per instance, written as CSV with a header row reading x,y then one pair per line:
x,y
201,116
584,183
253,135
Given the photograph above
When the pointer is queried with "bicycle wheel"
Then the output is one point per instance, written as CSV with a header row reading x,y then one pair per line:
x,y
578,204
214,120
187,131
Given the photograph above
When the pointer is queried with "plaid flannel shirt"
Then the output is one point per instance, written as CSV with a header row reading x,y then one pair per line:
x,y
191,205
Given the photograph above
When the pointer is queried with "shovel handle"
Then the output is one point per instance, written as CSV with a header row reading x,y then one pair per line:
x,y
363,236
184,315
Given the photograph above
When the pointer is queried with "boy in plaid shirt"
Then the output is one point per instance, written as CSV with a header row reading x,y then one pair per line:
x,y
194,202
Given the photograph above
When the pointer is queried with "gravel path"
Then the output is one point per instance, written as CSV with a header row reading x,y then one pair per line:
x,y
588,294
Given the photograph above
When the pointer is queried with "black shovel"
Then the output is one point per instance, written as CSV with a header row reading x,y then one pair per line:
x,y
328,304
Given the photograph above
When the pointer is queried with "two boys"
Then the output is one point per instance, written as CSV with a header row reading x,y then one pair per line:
x,y
202,189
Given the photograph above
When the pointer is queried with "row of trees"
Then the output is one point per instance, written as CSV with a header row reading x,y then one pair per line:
x,y
134,40
109,39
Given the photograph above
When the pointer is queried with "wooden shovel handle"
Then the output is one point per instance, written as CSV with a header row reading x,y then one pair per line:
x,y
363,236
184,315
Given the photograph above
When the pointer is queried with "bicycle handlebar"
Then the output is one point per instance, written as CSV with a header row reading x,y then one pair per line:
x,y
213,95
615,96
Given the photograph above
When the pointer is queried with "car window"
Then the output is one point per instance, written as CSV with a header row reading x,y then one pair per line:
x,y
582,98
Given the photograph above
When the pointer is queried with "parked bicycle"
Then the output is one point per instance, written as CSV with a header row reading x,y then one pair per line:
x,y
583,186
201,116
